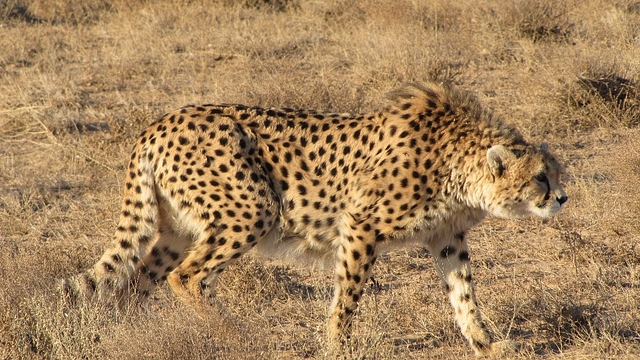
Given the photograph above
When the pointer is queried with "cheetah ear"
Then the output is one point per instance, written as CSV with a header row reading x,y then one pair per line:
x,y
498,157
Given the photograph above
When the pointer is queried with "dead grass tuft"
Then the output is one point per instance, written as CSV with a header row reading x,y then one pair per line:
x,y
54,12
605,92
611,88
540,20
266,5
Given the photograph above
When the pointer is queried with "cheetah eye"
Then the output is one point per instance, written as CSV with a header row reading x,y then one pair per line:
x,y
542,178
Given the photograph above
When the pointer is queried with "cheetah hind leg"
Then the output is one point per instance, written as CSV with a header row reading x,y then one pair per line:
x,y
166,254
194,280
451,258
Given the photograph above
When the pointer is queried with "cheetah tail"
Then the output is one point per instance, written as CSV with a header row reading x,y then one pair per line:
x,y
114,276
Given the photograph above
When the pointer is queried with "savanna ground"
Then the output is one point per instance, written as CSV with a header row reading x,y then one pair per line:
x,y
80,79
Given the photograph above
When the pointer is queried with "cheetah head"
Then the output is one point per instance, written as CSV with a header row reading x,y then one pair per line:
x,y
525,182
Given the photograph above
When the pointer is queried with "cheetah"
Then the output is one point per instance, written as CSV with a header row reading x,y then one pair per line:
x,y
205,184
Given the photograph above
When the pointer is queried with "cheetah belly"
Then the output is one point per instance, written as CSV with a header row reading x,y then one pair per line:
x,y
303,249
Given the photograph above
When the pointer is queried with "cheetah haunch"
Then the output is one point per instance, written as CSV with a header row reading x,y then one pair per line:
x,y
207,183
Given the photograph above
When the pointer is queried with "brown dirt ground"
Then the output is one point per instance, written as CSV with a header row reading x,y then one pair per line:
x,y
79,79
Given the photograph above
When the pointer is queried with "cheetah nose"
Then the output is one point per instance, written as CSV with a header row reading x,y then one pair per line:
x,y
562,199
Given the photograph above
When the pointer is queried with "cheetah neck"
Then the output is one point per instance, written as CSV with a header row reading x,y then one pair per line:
x,y
454,144
470,175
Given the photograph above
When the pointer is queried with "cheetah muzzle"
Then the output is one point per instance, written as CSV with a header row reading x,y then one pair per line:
x,y
206,184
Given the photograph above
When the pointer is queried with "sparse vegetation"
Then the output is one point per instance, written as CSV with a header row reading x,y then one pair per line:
x,y
80,79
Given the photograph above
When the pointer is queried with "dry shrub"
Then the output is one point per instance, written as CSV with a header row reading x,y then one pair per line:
x,y
613,89
55,12
16,11
633,8
266,5
605,96
541,20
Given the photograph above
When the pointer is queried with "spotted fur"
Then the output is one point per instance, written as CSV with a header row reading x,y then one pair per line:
x,y
207,183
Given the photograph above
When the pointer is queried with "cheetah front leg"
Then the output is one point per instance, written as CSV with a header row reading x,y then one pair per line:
x,y
451,259
354,262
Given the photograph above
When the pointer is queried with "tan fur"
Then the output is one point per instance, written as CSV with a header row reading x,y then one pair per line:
x,y
208,183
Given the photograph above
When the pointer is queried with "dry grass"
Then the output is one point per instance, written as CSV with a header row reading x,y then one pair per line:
x,y
79,80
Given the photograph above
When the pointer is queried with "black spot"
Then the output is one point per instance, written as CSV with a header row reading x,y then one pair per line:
x,y
108,267
348,312
125,244
479,345
464,256
369,250
155,251
447,251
